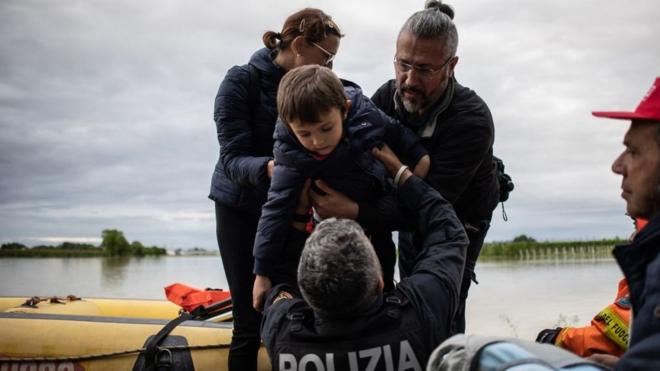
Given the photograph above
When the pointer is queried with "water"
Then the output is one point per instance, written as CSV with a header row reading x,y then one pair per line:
x,y
513,298
520,298
139,278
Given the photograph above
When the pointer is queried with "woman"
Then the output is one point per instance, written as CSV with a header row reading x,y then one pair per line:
x,y
245,114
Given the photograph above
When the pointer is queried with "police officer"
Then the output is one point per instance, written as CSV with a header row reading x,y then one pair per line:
x,y
343,321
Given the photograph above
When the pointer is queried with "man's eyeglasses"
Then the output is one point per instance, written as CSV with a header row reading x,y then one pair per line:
x,y
421,71
331,56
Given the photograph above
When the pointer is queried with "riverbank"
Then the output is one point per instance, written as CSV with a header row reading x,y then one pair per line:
x,y
113,243
531,249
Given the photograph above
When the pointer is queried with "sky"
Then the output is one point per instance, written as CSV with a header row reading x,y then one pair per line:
x,y
106,106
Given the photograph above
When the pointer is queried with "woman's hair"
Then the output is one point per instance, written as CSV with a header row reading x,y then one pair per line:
x,y
308,91
434,22
313,24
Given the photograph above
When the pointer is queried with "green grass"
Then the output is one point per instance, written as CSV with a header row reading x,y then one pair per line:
x,y
539,250
50,253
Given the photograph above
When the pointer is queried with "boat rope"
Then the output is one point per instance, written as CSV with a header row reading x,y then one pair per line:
x,y
88,357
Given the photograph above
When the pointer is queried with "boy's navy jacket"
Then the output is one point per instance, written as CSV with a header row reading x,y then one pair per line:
x,y
350,169
246,138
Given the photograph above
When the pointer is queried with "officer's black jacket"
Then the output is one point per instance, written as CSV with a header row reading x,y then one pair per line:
x,y
401,328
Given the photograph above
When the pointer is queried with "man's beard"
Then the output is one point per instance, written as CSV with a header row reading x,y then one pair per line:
x,y
413,107
424,101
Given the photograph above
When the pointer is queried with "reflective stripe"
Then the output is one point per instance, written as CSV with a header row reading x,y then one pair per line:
x,y
616,329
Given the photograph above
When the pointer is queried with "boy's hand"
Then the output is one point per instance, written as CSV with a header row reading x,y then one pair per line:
x,y
333,203
422,167
261,285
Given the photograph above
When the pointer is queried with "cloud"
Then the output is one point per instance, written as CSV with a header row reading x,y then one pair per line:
x,y
106,107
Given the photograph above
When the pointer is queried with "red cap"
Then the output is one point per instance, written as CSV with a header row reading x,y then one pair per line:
x,y
648,109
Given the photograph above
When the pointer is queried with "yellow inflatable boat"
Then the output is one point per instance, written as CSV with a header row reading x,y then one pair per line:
x,y
74,334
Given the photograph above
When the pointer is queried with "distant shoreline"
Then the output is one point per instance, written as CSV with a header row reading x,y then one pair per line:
x,y
525,249
531,249
113,244
52,252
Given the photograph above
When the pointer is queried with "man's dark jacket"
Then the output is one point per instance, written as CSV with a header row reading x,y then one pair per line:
x,y
350,169
640,263
397,331
460,146
245,134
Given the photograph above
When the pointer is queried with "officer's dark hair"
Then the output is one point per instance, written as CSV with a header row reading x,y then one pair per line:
x,y
338,272
434,22
308,91
312,24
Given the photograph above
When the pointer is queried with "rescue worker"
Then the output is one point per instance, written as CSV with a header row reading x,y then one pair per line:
x,y
343,321
639,166
609,330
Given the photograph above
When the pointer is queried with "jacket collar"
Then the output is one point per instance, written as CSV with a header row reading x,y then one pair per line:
x,y
264,60
634,258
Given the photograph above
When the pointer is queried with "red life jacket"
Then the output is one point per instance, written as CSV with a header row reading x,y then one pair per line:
x,y
190,298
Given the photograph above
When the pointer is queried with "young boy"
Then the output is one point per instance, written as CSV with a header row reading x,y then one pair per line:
x,y
326,131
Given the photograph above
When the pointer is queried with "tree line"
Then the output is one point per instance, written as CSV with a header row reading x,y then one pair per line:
x,y
524,246
113,243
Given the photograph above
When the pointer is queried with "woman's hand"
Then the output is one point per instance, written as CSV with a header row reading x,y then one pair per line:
x,y
304,204
261,285
333,203
305,201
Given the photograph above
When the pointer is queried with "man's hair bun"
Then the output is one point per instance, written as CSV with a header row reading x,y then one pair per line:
x,y
438,5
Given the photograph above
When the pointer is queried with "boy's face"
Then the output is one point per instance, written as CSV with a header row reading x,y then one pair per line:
x,y
323,136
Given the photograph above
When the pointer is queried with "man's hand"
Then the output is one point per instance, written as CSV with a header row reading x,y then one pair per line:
x,y
393,164
422,167
261,285
333,203
548,336
388,158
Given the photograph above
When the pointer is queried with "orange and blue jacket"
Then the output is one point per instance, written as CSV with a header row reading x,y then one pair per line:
x,y
609,331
